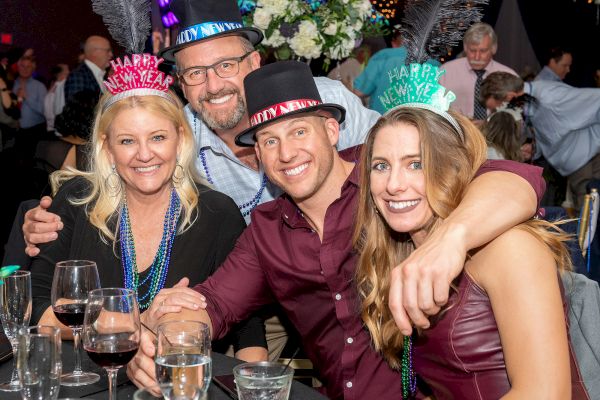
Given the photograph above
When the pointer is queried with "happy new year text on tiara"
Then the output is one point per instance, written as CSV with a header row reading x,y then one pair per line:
x,y
416,86
416,83
138,72
137,76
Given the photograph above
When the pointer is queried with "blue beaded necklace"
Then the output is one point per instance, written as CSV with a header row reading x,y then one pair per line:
x,y
408,376
245,208
155,279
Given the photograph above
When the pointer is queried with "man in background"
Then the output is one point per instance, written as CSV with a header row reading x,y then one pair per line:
x,y
30,99
557,67
374,80
565,119
464,75
90,73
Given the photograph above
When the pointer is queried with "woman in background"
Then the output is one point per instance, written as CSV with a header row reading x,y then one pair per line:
x,y
54,102
74,124
502,131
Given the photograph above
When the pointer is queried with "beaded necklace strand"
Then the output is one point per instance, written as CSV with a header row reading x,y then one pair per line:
x,y
408,376
245,208
155,279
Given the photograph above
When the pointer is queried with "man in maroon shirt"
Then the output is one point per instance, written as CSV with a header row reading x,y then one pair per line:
x,y
298,249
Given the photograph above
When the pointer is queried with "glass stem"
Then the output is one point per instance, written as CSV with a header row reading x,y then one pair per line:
x,y
77,346
14,379
112,383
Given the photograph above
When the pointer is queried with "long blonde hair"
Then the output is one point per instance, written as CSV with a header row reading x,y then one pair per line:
x,y
449,165
101,202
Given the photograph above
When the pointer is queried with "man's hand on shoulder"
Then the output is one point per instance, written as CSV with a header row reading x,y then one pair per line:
x,y
420,285
40,226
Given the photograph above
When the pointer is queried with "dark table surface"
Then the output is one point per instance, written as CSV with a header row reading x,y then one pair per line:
x,y
221,365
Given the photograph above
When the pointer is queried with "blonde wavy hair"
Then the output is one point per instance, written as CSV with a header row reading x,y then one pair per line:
x,y
101,203
449,165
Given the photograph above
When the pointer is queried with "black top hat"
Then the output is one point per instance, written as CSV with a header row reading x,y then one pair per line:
x,y
207,19
280,90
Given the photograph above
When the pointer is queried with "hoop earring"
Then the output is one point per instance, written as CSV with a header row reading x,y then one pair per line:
x,y
178,175
114,183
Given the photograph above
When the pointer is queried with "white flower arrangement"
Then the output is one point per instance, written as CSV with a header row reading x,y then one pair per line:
x,y
310,29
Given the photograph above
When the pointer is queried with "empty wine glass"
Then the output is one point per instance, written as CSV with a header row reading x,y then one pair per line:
x,y
15,312
39,362
111,330
73,280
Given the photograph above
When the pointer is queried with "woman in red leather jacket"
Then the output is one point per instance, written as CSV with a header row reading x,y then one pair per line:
x,y
503,332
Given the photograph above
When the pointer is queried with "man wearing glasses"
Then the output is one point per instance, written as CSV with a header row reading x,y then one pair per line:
x,y
212,62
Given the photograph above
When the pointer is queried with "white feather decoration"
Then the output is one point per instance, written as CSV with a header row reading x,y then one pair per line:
x,y
431,27
128,21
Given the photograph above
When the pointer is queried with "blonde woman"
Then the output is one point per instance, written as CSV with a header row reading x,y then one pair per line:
x,y
140,212
503,334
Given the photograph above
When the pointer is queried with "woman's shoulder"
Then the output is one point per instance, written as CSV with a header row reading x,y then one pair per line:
x,y
71,190
515,253
76,185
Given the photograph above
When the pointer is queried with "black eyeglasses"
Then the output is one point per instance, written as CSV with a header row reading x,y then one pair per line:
x,y
225,69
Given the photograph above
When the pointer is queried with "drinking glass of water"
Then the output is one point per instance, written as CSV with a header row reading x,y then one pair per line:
x,y
183,354
15,312
39,363
169,391
263,381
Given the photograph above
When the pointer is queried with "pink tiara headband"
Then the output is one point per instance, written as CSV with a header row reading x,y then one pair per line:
x,y
137,76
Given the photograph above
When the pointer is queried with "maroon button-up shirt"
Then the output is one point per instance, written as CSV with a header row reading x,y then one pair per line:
x,y
280,258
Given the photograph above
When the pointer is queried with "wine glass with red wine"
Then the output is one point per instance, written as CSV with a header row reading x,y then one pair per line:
x,y
111,330
73,280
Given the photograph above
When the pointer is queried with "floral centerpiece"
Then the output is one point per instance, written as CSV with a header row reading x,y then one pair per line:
x,y
310,29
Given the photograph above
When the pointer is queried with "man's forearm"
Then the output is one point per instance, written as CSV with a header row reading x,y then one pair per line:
x,y
494,203
252,354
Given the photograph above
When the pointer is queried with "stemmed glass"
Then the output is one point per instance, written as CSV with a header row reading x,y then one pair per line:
x,y
111,330
15,312
73,280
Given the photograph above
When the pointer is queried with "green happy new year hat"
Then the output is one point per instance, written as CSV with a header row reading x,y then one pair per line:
x,y
416,86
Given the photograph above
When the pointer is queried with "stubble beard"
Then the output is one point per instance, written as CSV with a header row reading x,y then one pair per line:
x,y
225,119
325,169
